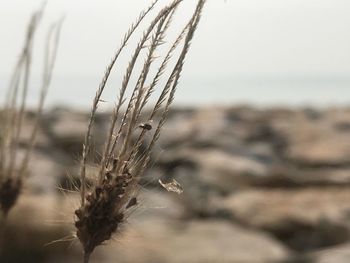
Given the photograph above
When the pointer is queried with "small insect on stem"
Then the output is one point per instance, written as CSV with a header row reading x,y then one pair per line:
x,y
146,126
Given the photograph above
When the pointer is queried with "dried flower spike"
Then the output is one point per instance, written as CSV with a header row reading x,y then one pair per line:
x,y
106,201
13,170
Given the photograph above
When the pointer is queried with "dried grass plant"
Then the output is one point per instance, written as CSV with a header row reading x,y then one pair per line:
x,y
13,169
107,198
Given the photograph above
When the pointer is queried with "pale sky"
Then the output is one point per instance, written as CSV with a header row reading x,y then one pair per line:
x,y
235,37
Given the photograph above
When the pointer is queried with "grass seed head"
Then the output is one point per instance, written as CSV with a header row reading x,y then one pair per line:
x,y
10,190
105,202
103,211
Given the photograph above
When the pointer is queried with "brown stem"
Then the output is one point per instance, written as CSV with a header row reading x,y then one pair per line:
x,y
86,257
2,234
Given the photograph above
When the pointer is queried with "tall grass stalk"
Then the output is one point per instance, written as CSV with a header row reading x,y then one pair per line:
x,y
106,199
14,170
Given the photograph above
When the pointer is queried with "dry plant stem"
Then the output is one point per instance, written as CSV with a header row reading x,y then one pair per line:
x,y
2,234
86,257
20,115
136,99
111,143
18,118
97,98
174,80
162,13
12,177
10,121
11,131
49,63
104,208
160,72
9,191
148,91
13,119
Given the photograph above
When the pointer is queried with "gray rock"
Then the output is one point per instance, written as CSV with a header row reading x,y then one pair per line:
x,y
293,176
45,173
193,242
33,224
42,140
221,170
67,130
315,142
336,254
304,219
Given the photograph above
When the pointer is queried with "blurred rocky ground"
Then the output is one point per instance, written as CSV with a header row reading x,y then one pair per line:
x,y
260,186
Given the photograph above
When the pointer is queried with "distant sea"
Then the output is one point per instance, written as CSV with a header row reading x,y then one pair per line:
x,y
265,92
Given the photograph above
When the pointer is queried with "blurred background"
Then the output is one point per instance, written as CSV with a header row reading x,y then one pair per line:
x,y
259,136
267,52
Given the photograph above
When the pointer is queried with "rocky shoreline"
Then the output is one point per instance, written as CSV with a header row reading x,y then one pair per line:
x,y
260,185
